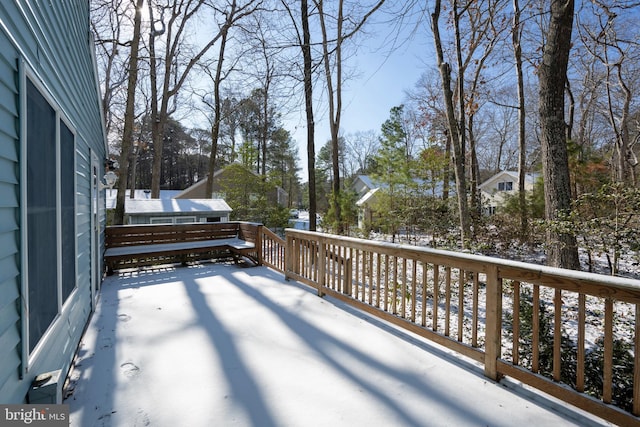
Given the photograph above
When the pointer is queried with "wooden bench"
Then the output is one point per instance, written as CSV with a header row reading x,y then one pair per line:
x,y
141,245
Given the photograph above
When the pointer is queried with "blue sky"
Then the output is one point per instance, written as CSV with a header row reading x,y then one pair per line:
x,y
381,83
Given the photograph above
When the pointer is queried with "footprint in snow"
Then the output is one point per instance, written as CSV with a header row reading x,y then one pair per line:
x,y
130,370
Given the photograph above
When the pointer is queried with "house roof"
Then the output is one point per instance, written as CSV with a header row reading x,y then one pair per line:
x,y
367,197
529,178
111,195
201,183
138,206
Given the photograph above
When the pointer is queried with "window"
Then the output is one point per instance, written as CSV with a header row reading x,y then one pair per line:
x,y
49,196
42,247
505,186
161,220
173,220
67,209
185,219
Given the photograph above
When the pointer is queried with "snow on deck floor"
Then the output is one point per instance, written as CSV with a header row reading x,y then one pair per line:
x,y
224,345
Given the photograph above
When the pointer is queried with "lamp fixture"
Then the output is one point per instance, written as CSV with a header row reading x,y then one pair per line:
x,y
110,179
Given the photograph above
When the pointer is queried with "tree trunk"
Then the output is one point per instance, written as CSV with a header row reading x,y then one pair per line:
x,y
454,131
562,248
517,52
308,99
215,128
129,117
335,102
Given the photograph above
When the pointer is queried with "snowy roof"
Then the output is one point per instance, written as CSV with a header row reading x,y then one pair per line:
x,y
137,206
111,195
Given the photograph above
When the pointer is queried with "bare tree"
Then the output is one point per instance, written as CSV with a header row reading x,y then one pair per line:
x,y
109,19
129,116
516,37
170,74
303,41
606,41
562,248
332,51
455,133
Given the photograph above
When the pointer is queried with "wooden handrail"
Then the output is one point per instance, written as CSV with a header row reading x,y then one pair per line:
x,y
473,304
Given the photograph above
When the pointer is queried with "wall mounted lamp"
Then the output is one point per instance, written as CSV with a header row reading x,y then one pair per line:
x,y
110,179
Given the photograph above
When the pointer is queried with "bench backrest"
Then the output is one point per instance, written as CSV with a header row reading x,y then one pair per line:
x,y
128,235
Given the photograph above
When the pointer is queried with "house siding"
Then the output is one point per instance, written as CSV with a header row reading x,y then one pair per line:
x,y
53,39
10,350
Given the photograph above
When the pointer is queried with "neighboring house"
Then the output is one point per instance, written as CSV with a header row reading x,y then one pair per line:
x,y
175,211
495,190
234,179
368,188
52,216
362,184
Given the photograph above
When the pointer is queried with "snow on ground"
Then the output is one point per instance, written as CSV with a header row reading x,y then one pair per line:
x,y
218,345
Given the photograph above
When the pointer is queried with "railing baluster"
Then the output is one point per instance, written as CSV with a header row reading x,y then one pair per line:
x,y
535,330
403,289
394,293
474,330
370,299
557,334
413,290
357,278
378,279
580,344
461,283
436,295
515,358
636,363
447,300
386,283
425,270
608,351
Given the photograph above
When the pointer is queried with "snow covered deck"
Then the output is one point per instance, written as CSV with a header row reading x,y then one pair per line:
x,y
218,345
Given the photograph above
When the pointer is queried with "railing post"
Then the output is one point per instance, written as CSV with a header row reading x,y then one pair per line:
x,y
288,256
322,266
493,329
258,243
348,275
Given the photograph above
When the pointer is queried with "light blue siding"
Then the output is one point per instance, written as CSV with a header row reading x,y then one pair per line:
x,y
53,39
10,350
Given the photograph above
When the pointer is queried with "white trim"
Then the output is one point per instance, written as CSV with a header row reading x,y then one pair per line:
x,y
24,289
58,213
94,223
74,132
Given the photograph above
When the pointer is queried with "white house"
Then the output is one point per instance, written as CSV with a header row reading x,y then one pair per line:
x,y
495,190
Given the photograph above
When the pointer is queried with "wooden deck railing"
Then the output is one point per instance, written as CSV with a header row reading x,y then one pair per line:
x,y
273,249
483,308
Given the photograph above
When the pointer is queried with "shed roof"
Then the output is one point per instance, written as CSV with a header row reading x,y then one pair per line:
x,y
137,206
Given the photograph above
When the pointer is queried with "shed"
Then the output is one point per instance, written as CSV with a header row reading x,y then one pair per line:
x,y
175,211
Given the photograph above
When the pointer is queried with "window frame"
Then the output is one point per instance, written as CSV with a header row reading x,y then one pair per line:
x,y
30,352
